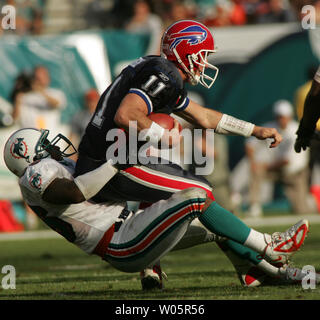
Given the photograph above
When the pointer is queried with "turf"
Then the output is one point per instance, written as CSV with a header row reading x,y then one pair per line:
x,y
57,270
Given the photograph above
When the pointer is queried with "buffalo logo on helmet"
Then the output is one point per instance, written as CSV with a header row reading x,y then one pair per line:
x,y
193,35
19,149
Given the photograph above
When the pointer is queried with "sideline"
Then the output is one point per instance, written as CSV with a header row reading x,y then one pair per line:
x,y
252,222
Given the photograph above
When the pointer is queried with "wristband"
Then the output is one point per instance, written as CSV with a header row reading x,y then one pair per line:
x,y
91,182
153,134
232,125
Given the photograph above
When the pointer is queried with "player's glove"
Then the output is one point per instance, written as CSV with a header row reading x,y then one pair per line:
x,y
304,136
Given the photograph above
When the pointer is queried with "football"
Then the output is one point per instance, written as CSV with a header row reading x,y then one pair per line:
x,y
164,120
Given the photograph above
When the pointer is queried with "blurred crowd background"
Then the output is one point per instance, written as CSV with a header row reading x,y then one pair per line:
x,y
36,17
47,16
53,73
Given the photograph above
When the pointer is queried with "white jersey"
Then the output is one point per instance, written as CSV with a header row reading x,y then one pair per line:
x,y
84,223
317,75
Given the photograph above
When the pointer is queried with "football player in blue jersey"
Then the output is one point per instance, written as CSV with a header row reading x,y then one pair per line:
x,y
157,84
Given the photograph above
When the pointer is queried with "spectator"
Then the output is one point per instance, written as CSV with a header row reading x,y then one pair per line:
x,y
238,13
297,6
220,17
40,106
6,119
36,26
28,16
251,7
81,119
147,23
178,11
279,164
36,105
120,13
275,11
21,85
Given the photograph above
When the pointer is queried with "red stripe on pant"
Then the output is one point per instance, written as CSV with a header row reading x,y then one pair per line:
x,y
165,182
144,243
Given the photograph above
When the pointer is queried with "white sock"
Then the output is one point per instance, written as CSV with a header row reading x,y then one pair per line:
x,y
257,241
268,268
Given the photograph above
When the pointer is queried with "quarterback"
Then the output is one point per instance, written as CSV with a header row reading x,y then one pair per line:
x,y
128,241
157,84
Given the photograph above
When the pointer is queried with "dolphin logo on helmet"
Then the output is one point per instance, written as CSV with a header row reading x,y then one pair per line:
x,y
19,149
193,35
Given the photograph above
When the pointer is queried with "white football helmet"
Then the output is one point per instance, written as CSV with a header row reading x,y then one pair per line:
x,y
27,145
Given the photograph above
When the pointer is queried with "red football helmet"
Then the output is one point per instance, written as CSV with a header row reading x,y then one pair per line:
x,y
188,43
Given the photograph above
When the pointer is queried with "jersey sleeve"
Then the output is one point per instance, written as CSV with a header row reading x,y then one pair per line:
x,y
317,75
39,175
161,87
182,102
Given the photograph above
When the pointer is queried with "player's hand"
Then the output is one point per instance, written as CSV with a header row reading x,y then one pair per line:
x,y
263,133
171,138
304,136
301,143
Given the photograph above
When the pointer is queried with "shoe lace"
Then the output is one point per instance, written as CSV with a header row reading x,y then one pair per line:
x,y
280,236
161,273
164,275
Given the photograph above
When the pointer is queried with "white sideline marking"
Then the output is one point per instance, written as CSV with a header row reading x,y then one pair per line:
x,y
30,235
251,222
75,267
280,220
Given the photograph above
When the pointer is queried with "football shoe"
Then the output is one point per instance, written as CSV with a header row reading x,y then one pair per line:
x,y
282,245
151,278
290,274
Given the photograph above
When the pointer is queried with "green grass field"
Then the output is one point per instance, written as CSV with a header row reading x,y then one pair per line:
x,y
57,270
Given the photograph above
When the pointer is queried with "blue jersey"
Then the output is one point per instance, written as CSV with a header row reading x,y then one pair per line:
x,y
156,80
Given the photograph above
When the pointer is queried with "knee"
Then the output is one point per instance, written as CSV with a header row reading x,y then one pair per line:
x,y
193,193
207,204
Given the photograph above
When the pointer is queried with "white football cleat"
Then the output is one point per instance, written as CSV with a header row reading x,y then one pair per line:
x,y
282,245
248,274
295,275
251,276
151,278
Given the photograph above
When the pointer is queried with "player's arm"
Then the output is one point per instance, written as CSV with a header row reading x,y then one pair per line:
x,y
134,108
63,191
225,124
311,114
81,188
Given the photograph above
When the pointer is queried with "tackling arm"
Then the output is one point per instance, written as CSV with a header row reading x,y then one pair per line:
x,y
63,191
83,187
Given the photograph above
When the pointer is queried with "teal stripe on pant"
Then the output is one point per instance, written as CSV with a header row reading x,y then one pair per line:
x,y
156,222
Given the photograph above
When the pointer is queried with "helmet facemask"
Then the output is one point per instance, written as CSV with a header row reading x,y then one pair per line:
x,y
199,61
44,147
